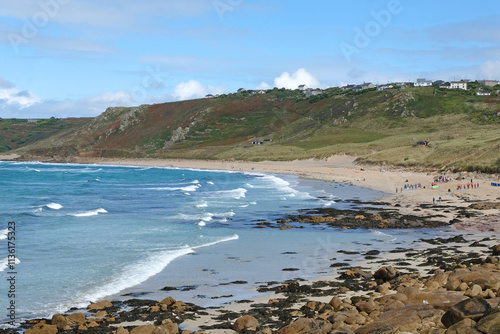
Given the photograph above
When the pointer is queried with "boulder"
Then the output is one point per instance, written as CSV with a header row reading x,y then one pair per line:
x,y
42,328
343,330
168,301
411,318
172,327
306,325
246,322
473,291
77,318
465,326
472,308
144,329
100,305
335,302
121,330
386,273
495,250
490,323
366,306
60,322
101,314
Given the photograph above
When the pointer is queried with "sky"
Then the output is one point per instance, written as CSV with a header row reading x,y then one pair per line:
x,y
75,58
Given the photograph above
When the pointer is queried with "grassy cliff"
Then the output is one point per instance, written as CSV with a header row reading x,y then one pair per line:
x,y
376,126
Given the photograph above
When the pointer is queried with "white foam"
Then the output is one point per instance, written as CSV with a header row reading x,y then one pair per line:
x,y
202,223
202,205
384,235
206,216
89,213
284,186
193,187
135,274
234,193
4,233
328,203
141,271
210,182
54,206
231,238
5,263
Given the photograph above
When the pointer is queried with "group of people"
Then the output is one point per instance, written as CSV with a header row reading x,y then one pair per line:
x,y
468,186
410,187
443,178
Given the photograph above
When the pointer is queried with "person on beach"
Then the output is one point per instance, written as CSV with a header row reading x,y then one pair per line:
x,y
434,200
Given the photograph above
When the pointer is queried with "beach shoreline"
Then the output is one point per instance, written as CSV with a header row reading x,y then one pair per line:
x,y
421,199
424,200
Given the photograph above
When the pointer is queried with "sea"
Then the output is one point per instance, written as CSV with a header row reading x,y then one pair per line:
x,y
85,233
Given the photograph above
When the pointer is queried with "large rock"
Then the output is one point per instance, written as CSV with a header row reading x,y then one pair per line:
x,y
306,325
386,273
466,326
100,305
168,301
490,323
121,330
60,322
495,250
42,328
246,322
77,318
473,308
412,318
145,329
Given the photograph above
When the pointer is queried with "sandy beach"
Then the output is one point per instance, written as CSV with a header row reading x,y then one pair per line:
x,y
419,198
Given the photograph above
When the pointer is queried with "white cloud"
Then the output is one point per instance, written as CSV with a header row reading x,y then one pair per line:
x,y
194,89
263,85
300,77
490,70
16,98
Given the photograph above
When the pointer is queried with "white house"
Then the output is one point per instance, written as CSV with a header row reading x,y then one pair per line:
x,y
423,83
483,94
462,84
380,88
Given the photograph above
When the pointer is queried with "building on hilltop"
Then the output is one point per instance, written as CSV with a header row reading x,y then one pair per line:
x,y
481,93
423,83
380,88
489,83
462,84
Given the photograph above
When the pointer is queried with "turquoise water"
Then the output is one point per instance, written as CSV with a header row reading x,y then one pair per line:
x,y
88,232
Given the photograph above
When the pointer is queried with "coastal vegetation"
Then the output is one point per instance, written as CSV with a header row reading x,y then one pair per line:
x,y
379,127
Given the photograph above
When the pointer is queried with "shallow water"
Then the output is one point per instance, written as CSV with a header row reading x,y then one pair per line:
x,y
88,232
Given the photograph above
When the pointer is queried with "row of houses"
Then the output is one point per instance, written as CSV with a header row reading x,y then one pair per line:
x,y
421,82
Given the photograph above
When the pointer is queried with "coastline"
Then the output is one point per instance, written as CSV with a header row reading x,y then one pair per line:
x,y
424,201
344,169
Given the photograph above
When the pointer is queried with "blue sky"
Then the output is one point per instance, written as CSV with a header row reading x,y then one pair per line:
x,y
74,58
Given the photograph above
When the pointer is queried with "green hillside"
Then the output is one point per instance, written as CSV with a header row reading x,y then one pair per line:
x,y
17,133
377,126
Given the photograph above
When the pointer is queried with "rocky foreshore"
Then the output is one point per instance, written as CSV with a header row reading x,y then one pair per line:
x,y
452,286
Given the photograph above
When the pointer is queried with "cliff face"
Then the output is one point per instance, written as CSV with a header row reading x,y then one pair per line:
x,y
378,127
